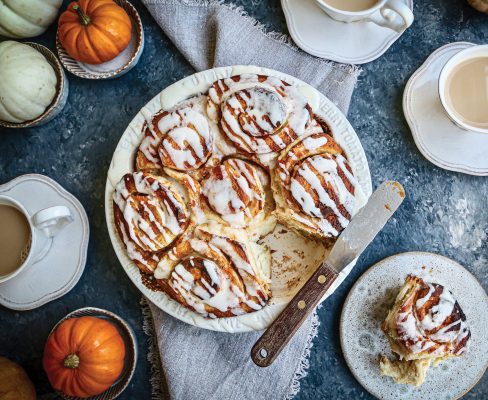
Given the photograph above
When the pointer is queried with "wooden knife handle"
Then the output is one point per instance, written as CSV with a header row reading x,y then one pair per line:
x,y
270,344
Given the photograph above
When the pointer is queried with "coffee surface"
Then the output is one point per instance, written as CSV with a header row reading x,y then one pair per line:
x,y
351,5
15,239
467,92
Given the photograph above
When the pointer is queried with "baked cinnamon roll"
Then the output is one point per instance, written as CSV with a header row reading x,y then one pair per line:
x,y
314,187
181,139
150,214
237,193
259,114
217,273
426,325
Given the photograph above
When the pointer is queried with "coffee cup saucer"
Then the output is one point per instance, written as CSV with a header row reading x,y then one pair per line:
x,y
439,140
59,271
320,35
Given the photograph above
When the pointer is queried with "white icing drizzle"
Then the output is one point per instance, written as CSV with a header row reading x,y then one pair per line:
x,y
180,139
213,287
260,115
149,212
244,268
420,335
315,184
237,197
187,140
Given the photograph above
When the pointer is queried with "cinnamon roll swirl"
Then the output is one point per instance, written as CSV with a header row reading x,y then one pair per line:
x,y
259,114
233,193
149,215
314,187
217,273
181,139
426,325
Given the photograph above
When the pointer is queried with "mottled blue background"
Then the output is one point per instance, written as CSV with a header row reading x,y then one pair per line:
x,y
444,212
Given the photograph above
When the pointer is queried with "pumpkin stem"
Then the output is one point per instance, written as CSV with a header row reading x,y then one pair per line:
x,y
84,19
71,361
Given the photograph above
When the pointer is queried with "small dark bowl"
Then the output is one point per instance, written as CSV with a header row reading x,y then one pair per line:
x,y
130,351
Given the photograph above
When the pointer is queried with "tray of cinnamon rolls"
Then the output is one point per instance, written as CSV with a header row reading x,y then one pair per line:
x,y
226,191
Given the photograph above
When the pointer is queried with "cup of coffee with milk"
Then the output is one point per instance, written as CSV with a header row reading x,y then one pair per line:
x,y
392,14
463,88
25,237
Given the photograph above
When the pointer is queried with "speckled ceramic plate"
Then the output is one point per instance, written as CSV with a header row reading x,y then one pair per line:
x,y
58,272
439,139
318,34
367,305
130,342
294,258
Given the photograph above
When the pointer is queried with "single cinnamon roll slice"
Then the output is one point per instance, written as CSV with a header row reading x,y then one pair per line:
x,y
425,326
216,272
259,114
237,193
314,187
181,139
150,215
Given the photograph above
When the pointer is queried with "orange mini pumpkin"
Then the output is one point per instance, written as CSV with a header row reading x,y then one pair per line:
x,y
94,31
84,356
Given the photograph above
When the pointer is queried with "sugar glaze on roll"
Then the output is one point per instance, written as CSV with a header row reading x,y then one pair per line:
x,y
214,175
425,326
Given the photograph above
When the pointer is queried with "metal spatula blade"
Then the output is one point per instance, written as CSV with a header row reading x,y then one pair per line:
x,y
358,234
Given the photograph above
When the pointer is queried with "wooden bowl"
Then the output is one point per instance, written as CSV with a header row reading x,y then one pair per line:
x,y
130,351
59,99
121,64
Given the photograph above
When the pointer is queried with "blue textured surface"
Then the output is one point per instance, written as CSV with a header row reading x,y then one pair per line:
x,y
444,212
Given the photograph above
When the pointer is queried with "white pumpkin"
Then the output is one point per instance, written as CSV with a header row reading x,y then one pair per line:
x,y
27,82
27,18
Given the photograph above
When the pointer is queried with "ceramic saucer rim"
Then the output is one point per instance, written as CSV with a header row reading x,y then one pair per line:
x,y
294,33
83,249
413,124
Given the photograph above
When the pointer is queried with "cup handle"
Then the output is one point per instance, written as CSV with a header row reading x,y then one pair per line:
x,y
386,16
51,221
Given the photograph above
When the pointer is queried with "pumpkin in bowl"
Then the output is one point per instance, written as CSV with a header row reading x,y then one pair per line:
x,y
84,356
94,31
14,382
27,82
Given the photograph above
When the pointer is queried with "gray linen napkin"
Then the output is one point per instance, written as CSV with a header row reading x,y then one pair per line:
x,y
201,364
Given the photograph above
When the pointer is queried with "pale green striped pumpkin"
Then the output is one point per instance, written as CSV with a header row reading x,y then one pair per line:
x,y
27,82
27,18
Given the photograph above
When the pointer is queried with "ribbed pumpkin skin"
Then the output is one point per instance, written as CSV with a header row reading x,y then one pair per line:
x,y
27,18
103,38
27,82
100,349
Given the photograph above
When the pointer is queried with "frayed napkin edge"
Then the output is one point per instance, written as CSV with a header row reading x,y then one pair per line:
x,y
279,37
156,379
304,364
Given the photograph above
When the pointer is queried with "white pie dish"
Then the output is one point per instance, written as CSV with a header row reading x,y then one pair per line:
x,y
123,162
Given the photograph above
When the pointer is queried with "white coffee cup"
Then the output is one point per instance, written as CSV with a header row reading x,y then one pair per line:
x,y
44,225
384,13
452,63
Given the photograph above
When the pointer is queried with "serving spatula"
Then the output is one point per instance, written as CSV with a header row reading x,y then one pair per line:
x,y
362,229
